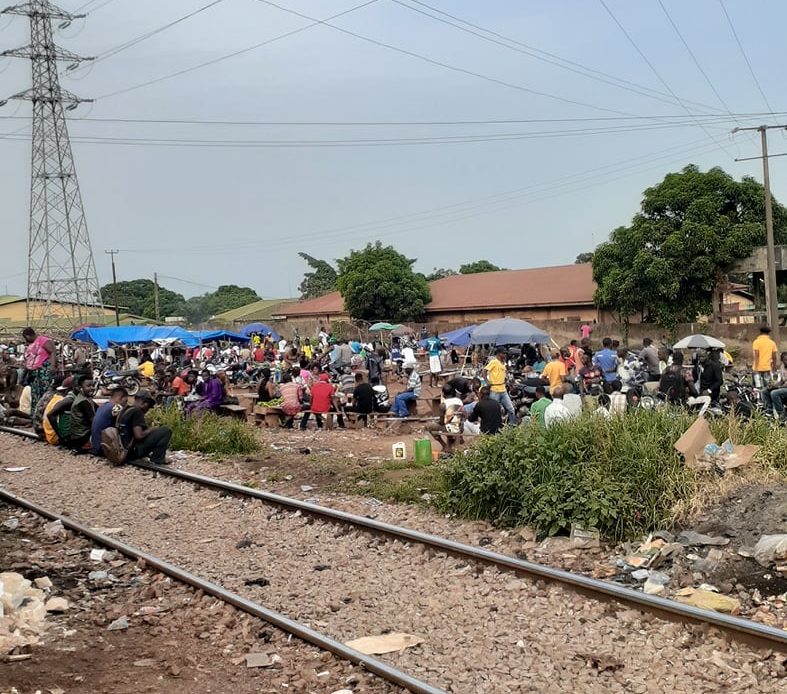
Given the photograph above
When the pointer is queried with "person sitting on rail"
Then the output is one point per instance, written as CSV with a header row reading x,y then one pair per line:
x,y
57,415
106,416
400,408
142,441
83,410
43,402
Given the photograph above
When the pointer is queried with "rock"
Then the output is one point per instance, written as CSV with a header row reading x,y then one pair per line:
x,y
11,524
584,538
708,600
343,691
655,583
260,581
120,624
306,487
43,583
56,605
145,662
640,574
259,660
689,537
55,529
771,549
98,555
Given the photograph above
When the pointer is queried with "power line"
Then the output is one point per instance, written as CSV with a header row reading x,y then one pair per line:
x,y
477,207
745,56
543,56
379,142
94,9
716,117
144,37
227,56
694,57
448,66
657,73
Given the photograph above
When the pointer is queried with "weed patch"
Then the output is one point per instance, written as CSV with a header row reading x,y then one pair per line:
x,y
207,433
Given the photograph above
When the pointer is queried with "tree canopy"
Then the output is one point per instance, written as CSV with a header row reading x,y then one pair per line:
x,y
586,257
378,283
138,297
477,266
321,280
691,228
438,273
227,297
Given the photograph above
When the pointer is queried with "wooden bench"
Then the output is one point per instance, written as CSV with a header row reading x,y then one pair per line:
x,y
237,411
269,416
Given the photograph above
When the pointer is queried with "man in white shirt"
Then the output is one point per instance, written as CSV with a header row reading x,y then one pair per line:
x,y
556,411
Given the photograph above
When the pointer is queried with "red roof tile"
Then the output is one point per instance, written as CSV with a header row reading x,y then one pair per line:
x,y
562,285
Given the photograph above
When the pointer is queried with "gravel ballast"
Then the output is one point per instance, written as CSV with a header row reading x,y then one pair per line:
x,y
483,630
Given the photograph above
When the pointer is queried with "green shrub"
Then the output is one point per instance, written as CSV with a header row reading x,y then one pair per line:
x,y
620,475
207,433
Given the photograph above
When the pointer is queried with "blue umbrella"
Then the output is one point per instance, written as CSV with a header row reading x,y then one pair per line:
x,y
259,328
508,331
457,338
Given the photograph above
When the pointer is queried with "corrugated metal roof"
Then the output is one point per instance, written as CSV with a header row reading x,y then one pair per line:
x,y
328,304
257,310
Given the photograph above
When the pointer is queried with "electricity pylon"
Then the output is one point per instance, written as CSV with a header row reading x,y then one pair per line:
x,y
61,273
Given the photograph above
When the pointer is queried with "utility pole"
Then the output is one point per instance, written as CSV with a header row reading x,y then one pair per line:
x,y
771,289
61,271
155,297
114,286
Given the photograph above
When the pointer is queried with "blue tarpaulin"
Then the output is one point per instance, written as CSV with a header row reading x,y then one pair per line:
x,y
219,336
457,338
260,329
133,335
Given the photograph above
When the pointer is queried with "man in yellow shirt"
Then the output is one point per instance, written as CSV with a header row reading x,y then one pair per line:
x,y
555,371
766,353
496,376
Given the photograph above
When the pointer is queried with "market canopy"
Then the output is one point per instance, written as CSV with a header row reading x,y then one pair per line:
x,y
134,335
699,342
457,338
219,336
376,327
260,329
508,331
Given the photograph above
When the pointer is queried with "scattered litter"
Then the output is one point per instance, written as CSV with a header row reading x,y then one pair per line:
x,y
655,583
15,469
708,600
56,605
261,581
385,643
18,657
22,612
306,487
584,538
11,523
98,555
701,451
343,691
261,659
770,549
107,531
708,586
179,455
120,624
689,537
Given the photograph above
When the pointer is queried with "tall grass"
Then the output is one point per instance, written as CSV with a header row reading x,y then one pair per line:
x,y
620,475
207,433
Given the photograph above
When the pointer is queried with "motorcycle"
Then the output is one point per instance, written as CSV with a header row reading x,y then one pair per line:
x,y
109,378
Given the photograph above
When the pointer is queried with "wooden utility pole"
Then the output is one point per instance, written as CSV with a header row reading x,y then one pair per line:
x,y
771,289
114,286
155,297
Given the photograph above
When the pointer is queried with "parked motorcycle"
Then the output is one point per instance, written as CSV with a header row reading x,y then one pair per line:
x,y
130,380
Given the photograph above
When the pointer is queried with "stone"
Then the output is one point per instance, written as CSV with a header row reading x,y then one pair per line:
x,y
259,660
640,574
56,605
771,549
120,624
145,662
11,523
55,529
43,583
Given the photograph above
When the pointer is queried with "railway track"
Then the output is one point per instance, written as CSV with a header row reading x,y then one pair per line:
x,y
733,628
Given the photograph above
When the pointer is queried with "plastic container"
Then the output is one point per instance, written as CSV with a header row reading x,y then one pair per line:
x,y
423,451
399,451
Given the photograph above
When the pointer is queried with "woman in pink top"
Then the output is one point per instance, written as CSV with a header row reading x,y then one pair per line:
x,y
40,363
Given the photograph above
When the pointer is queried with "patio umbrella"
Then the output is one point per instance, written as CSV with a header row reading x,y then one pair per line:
x,y
402,330
508,331
699,342
260,329
376,327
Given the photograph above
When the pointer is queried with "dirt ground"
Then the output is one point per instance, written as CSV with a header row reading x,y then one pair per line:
x,y
178,640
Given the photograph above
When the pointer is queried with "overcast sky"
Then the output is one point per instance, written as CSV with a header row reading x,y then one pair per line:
x,y
208,214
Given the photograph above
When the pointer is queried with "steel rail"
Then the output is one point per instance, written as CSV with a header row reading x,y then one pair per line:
x,y
378,667
736,626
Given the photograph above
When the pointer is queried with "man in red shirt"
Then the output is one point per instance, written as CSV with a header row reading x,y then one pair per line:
x,y
322,393
259,354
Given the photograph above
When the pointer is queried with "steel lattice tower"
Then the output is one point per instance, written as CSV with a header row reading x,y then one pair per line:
x,y
61,274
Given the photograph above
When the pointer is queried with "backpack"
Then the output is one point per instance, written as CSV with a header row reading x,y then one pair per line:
x,y
112,447
673,386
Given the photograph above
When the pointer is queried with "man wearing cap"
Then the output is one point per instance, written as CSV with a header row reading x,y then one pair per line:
x,y
141,441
